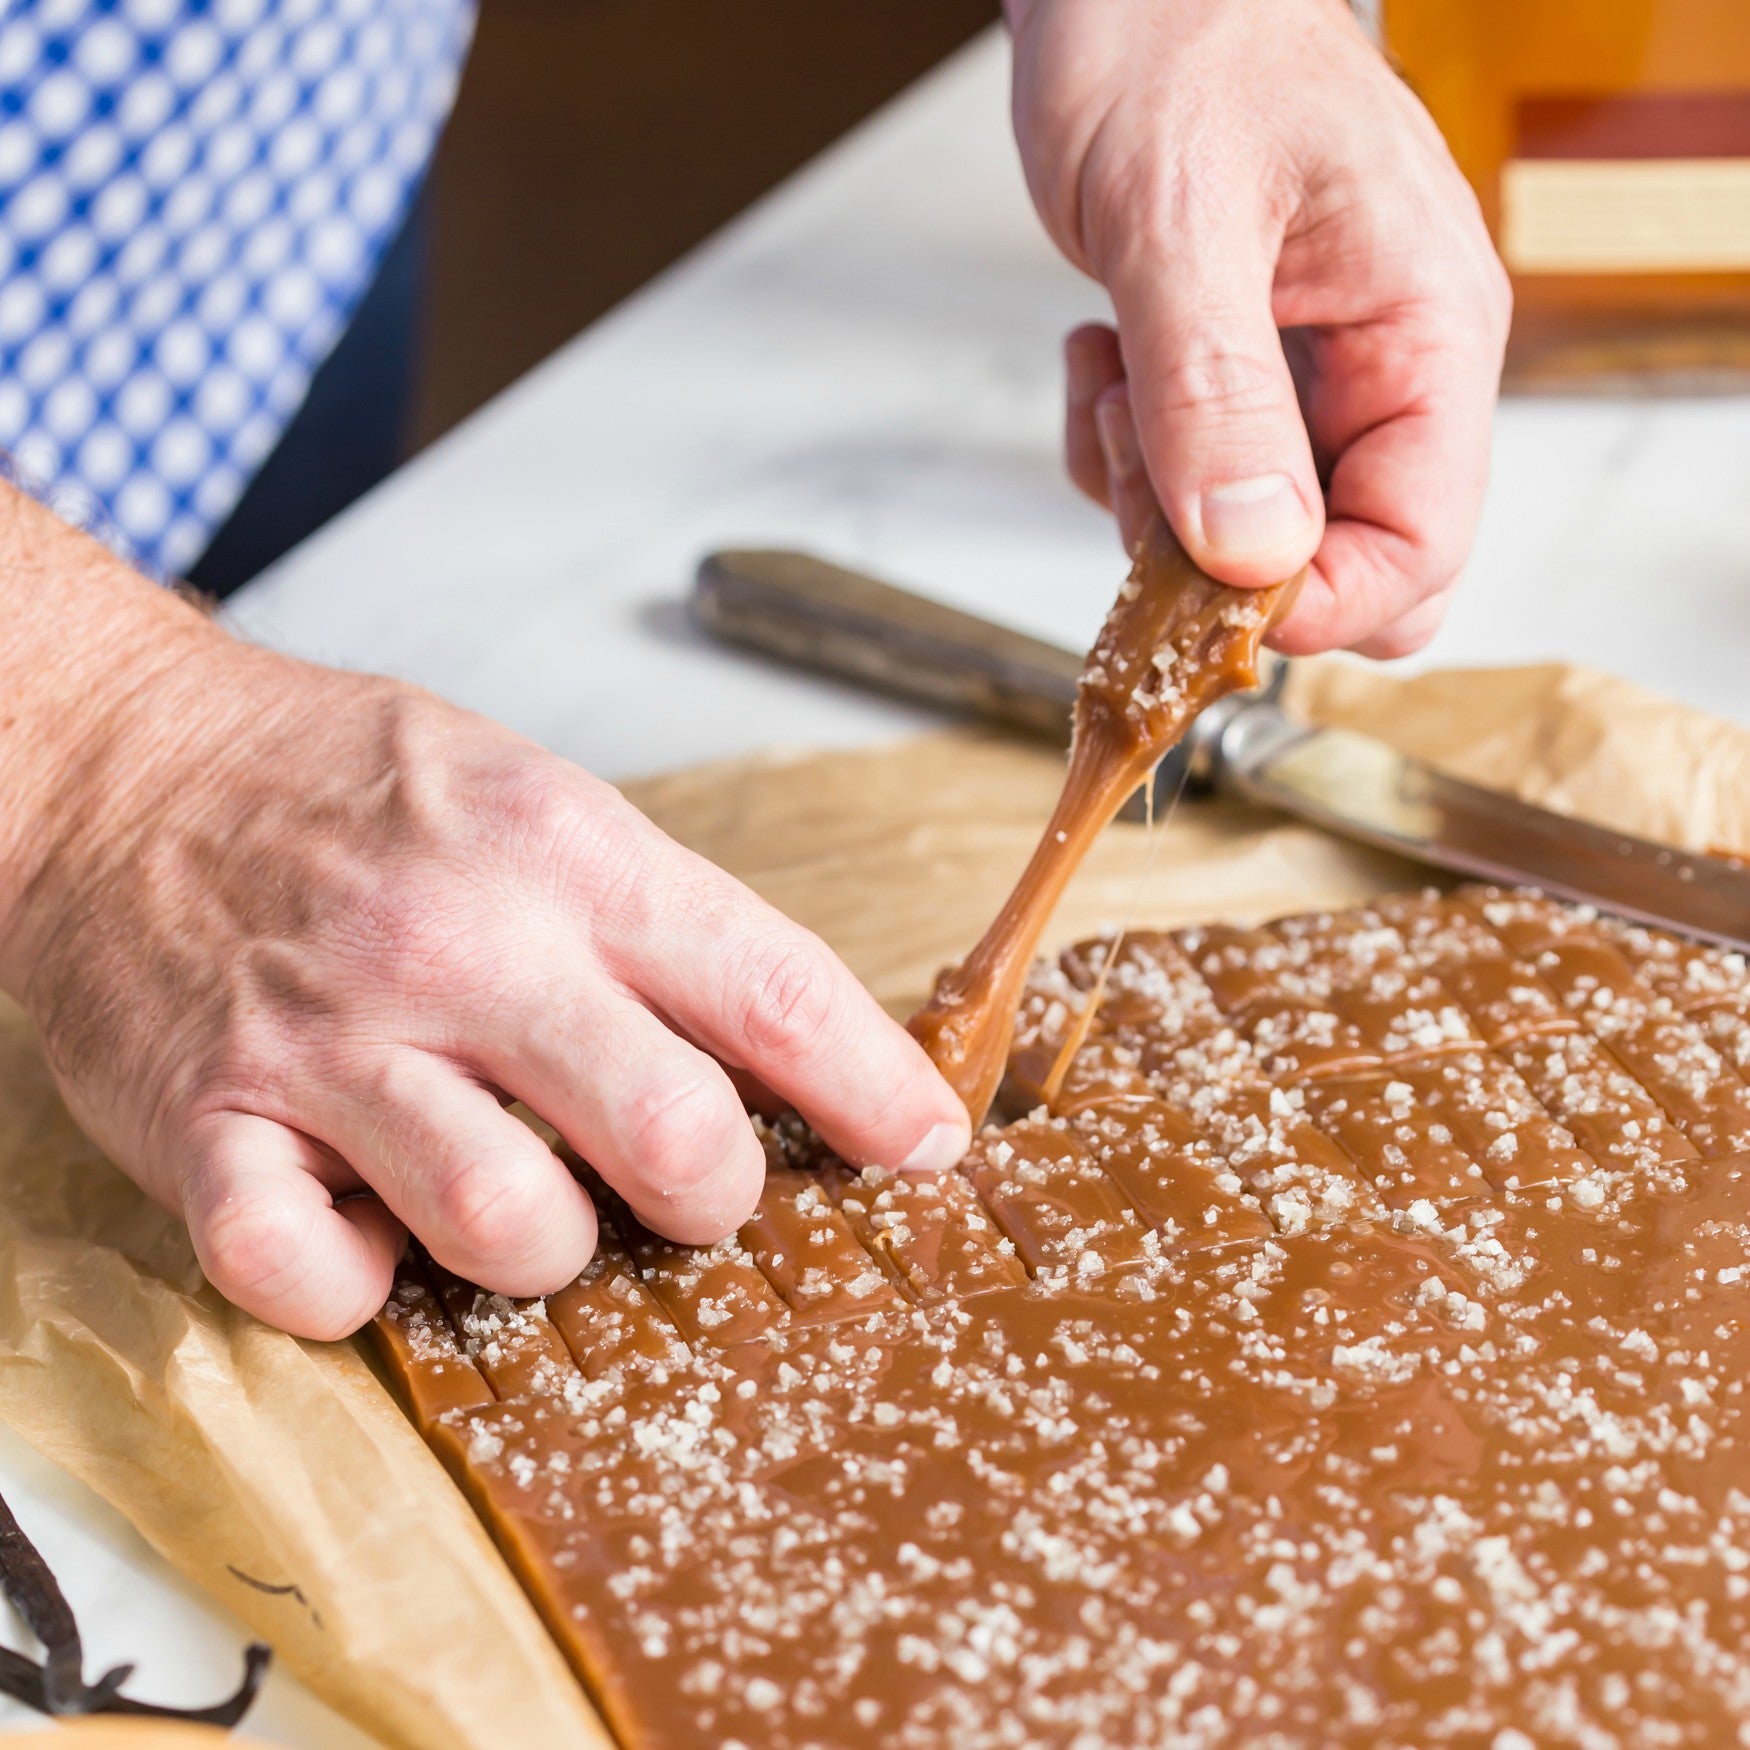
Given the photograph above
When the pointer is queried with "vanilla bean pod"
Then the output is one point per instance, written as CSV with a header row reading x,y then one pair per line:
x,y
36,1595
22,1679
57,1685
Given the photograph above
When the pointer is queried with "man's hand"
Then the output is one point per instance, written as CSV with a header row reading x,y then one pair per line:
x,y
292,936
1305,292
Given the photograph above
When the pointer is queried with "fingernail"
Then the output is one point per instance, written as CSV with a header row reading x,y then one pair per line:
x,y
1259,516
941,1149
1118,439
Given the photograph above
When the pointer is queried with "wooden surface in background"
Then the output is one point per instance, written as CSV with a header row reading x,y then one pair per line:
x,y
594,141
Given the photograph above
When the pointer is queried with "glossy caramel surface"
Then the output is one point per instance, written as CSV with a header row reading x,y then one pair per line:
x,y
1174,642
1354,1354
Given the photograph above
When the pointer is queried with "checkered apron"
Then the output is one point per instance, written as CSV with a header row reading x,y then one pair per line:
x,y
194,195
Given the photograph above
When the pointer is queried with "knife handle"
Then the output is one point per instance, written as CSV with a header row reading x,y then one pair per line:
x,y
800,608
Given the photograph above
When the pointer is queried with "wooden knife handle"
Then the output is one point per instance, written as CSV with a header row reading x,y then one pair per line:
x,y
795,606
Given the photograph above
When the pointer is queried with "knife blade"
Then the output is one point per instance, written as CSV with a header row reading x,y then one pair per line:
x,y
1365,789
805,610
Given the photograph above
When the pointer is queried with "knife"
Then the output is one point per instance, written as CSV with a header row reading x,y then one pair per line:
x,y
825,617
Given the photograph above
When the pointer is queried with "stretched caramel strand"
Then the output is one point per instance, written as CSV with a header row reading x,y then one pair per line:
x,y
1174,642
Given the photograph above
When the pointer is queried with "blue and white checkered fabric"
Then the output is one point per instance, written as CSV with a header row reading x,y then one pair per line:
x,y
193,197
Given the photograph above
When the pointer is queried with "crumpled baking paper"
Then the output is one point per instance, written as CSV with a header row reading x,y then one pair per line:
x,y
282,1476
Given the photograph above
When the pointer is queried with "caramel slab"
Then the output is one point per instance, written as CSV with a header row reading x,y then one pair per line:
x,y
1223,1398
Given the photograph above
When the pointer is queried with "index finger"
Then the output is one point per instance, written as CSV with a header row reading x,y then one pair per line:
x,y
767,996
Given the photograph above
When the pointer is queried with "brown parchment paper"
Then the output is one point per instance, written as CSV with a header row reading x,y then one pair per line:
x,y
253,1460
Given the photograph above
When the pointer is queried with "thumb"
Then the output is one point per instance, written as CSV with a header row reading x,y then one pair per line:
x,y
1216,410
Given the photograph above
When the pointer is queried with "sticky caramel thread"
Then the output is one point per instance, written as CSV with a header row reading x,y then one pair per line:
x,y
1174,642
1083,1024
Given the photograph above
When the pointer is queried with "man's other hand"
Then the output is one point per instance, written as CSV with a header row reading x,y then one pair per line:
x,y
1310,315
306,932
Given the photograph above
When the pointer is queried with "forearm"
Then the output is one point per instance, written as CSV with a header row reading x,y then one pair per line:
x,y
92,658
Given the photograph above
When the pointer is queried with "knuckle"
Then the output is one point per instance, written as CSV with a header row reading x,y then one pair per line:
x,y
244,1069
789,1009
537,801
679,1134
254,1249
607,862
393,1083
389,1086
494,1213
577,839
1134,188
1422,243
1426,564
1212,380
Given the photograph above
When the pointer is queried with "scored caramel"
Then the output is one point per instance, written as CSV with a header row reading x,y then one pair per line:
x,y
1353,1354
1174,642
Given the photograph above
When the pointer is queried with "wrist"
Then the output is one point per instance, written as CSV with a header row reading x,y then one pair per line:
x,y
95,685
